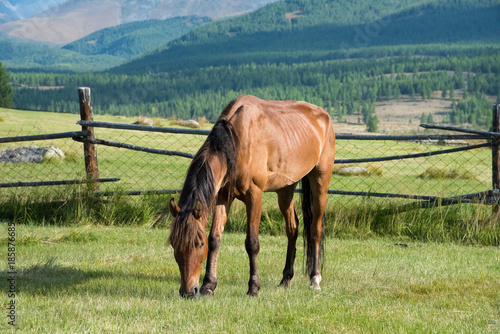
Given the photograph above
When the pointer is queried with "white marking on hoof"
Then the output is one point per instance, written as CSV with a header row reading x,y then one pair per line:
x,y
315,282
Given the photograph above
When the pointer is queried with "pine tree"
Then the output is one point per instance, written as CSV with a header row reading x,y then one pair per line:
x,y
5,89
430,120
423,118
372,125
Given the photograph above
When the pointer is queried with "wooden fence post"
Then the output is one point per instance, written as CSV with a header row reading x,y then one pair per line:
x,y
495,149
89,149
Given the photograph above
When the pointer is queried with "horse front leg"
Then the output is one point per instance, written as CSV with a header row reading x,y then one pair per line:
x,y
214,240
254,209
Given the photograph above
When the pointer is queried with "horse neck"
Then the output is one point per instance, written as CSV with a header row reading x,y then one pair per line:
x,y
205,178
219,169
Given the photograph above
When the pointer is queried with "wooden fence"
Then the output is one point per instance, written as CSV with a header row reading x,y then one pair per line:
x,y
87,137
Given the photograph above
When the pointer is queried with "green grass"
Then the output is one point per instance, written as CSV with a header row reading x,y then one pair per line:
x,y
95,279
436,173
358,217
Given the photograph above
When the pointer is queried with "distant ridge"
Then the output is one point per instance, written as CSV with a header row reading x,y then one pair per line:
x,y
135,38
75,19
311,30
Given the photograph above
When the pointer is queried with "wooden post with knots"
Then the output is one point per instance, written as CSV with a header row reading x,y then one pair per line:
x,y
89,149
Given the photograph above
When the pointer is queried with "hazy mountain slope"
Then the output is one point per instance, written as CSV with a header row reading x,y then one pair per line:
x,y
131,39
308,30
75,19
67,22
18,53
98,51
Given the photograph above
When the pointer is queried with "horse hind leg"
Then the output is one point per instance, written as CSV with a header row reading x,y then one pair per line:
x,y
285,201
317,183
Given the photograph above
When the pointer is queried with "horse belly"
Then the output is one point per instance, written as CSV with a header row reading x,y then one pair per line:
x,y
288,169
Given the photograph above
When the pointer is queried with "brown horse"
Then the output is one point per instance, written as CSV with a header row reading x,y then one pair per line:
x,y
255,145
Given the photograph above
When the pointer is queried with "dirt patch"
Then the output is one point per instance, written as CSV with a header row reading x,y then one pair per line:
x,y
401,116
293,15
404,115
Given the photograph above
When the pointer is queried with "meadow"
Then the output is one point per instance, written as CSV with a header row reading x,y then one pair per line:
x,y
98,279
443,175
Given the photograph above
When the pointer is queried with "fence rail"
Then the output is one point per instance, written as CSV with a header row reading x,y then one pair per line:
x,y
138,127
73,134
53,183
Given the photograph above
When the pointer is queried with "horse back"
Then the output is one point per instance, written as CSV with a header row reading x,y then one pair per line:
x,y
280,141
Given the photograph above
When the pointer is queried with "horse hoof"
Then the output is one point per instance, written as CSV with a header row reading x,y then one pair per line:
x,y
315,280
207,292
284,283
253,292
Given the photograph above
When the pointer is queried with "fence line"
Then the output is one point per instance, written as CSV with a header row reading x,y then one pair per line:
x,y
87,136
411,156
45,137
138,127
135,147
451,128
53,183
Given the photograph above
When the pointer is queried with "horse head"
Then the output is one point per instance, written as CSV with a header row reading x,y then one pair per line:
x,y
190,244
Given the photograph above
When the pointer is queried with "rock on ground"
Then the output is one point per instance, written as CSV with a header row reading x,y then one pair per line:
x,y
31,154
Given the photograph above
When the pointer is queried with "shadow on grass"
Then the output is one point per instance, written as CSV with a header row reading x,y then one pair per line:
x,y
52,278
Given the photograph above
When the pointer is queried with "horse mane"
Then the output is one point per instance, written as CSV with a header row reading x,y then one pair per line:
x,y
222,142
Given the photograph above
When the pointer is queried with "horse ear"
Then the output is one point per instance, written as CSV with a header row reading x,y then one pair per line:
x,y
198,209
174,209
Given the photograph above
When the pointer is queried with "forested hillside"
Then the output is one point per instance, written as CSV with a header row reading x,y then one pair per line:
x,y
312,30
16,53
5,90
342,87
132,39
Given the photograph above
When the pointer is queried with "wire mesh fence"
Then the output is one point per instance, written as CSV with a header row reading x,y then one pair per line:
x,y
444,175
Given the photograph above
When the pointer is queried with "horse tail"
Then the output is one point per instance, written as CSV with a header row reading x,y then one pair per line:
x,y
307,208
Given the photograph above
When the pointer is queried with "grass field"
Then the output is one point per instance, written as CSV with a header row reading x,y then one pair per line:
x,y
94,279
352,216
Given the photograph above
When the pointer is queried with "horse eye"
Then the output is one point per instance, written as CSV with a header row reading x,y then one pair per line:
x,y
201,245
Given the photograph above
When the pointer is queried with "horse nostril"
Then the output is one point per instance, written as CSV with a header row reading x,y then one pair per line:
x,y
196,292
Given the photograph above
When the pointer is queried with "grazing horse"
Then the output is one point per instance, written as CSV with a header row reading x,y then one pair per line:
x,y
255,145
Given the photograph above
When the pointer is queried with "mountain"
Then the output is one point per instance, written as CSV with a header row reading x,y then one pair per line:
x,y
310,30
132,39
13,10
103,49
18,53
75,19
